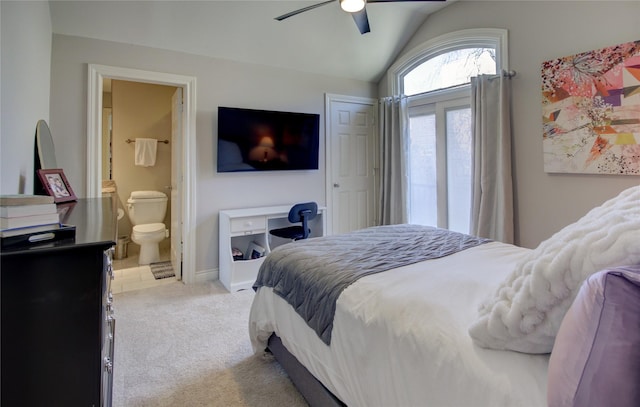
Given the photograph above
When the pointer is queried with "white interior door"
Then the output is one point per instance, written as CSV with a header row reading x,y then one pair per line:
x,y
351,161
176,182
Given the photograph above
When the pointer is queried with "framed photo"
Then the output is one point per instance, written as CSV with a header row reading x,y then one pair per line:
x,y
56,184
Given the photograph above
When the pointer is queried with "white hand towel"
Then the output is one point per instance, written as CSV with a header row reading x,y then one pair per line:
x,y
146,152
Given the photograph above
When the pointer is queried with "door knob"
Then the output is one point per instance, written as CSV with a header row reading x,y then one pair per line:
x,y
336,185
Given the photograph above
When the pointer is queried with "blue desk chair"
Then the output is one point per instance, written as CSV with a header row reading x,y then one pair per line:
x,y
302,212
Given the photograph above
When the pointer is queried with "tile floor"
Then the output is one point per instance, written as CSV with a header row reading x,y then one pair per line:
x,y
129,276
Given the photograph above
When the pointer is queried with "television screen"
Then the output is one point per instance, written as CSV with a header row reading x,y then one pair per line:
x,y
263,140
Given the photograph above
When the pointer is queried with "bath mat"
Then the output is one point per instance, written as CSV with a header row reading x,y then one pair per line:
x,y
162,270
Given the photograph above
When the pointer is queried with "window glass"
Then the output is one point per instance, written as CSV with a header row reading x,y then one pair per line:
x,y
459,159
449,69
423,208
440,157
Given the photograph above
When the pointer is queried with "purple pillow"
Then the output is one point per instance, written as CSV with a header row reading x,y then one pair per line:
x,y
596,355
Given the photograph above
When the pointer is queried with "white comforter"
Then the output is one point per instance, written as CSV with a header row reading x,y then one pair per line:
x,y
400,338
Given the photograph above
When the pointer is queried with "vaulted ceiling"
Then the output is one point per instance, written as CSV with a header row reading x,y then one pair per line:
x,y
324,40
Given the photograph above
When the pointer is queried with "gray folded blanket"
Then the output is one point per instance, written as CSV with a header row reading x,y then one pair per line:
x,y
311,274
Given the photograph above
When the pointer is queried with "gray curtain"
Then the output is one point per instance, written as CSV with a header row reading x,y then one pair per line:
x,y
393,119
492,195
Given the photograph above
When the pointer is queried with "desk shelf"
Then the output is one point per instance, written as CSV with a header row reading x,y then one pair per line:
x,y
240,227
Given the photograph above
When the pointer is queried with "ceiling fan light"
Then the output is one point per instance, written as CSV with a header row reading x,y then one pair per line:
x,y
352,6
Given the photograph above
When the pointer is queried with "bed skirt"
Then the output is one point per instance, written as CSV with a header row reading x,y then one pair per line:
x,y
311,389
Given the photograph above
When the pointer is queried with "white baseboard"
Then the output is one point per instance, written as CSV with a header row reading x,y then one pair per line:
x,y
207,275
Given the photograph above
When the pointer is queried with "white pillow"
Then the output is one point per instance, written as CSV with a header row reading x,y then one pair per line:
x,y
526,311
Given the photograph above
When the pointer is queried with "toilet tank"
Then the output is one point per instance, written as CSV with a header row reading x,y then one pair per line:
x,y
147,207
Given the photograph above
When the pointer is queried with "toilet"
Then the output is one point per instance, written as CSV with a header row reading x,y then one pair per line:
x,y
146,213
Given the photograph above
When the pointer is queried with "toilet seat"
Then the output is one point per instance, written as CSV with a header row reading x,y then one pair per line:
x,y
148,228
147,195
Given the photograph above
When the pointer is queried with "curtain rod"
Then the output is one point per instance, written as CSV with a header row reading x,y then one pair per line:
x,y
505,74
129,141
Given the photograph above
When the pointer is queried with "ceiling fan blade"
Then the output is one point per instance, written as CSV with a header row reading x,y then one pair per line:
x,y
362,21
302,10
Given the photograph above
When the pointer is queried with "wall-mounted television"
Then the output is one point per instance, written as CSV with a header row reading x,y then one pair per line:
x,y
265,140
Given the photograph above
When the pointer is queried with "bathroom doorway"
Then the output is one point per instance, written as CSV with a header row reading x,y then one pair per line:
x,y
132,112
182,188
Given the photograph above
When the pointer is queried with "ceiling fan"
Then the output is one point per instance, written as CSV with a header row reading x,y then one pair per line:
x,y
355,7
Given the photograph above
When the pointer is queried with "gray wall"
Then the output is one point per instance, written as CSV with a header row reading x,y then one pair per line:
x,y
219,83
25,78
540,31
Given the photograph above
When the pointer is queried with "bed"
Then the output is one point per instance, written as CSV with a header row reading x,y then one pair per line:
x,y
438,331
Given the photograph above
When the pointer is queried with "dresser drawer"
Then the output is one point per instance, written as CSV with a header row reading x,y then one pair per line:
x,y
248,224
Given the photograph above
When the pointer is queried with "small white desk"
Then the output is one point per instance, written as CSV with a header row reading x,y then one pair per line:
x,y
239,228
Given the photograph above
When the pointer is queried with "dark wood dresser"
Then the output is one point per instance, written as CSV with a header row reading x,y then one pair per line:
x,y
57,327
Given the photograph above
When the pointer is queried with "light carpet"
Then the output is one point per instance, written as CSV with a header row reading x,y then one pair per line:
x,y
188,345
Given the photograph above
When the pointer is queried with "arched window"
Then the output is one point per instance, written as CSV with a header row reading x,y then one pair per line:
x,y
436,77
468,52
452,68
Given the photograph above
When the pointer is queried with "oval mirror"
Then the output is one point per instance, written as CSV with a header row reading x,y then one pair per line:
x,y
45,151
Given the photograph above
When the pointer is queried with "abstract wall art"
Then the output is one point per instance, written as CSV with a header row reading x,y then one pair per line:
x,y
591,111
